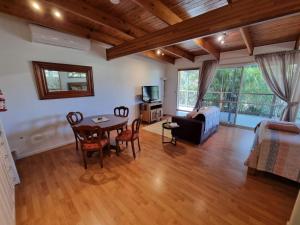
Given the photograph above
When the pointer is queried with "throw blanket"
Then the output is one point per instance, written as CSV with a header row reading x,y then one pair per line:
x,y
277,152
212,117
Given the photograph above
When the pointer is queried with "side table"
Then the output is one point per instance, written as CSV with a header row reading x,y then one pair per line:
x,y
169,126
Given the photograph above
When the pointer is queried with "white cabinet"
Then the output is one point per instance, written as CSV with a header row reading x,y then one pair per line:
x,y
8,178
151,111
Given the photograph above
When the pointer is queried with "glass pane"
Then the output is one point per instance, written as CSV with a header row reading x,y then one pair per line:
x,y
65,81
253,81
256,100
298,116
187,89
224,92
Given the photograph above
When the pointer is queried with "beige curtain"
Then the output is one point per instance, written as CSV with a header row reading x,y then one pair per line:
x,y
206,76
282,73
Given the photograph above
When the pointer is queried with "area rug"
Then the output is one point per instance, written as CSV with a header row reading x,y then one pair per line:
x,y
157,128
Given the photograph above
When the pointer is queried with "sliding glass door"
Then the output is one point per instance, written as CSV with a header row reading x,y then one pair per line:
x,y
240,92
243,96
224,92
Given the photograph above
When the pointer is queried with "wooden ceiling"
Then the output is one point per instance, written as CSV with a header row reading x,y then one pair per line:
x,y
129,21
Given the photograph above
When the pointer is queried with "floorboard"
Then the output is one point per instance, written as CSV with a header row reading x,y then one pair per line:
x,y
186,184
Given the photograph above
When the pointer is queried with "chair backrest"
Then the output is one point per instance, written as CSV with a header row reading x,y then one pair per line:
x,y
74,118
88,134
121,111
135,126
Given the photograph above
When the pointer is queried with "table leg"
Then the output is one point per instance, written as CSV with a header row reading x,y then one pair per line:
x,y
173,139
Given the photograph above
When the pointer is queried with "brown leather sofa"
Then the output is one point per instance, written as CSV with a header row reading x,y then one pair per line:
x,y
192,130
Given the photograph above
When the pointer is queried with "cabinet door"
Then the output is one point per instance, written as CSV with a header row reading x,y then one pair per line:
x,y
159,112
153,115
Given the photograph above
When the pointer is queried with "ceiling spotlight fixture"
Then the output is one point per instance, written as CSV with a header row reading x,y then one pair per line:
x,y
115,2
158,52
221,38
162,53
36,6
57,14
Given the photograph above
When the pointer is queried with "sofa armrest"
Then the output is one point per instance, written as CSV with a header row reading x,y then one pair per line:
x,y
184,121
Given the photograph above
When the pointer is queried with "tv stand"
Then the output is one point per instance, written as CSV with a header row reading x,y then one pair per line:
x,y
151,111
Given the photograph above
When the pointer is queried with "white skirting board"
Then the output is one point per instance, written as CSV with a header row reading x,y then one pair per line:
x,y
30,153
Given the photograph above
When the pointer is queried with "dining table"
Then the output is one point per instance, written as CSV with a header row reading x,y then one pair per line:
x,y
112,123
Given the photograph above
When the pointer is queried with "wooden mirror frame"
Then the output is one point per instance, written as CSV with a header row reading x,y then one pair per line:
x,y
39,73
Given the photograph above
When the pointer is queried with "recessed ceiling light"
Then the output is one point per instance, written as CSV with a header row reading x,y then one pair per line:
x,y
35,6
162,53
57,14
158,51
115,2
222,42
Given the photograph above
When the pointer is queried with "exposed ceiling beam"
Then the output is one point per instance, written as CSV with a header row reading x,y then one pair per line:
x,y
237,14
160,10
153,55
208,47
123,28
163,12
179,52
247,39
297,43
98,16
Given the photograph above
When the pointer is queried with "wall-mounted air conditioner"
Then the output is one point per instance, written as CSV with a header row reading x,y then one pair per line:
x,y
52,37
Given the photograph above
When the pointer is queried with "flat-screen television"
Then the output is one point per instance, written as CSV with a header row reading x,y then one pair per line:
x,y
150,93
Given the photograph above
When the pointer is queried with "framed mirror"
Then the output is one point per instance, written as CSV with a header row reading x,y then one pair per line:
x,y
55,80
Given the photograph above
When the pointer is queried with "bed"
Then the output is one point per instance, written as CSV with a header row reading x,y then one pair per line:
x,y
276,152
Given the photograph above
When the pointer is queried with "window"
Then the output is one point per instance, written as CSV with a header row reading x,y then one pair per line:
x,y
298,116
187,90
243,96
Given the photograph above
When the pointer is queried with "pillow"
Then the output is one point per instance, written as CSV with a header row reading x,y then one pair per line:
x,y
190,115
284,126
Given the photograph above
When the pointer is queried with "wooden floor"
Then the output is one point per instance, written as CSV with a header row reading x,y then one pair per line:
x,y
165,185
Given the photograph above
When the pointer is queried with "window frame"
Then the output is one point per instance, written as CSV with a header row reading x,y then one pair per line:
x,y
177,89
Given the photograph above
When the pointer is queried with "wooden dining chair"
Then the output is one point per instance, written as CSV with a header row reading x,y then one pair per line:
x,y
91,139
121,111
130,135
74,118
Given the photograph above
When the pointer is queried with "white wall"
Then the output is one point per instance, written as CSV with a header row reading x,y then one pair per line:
x,y
34,125
226,59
